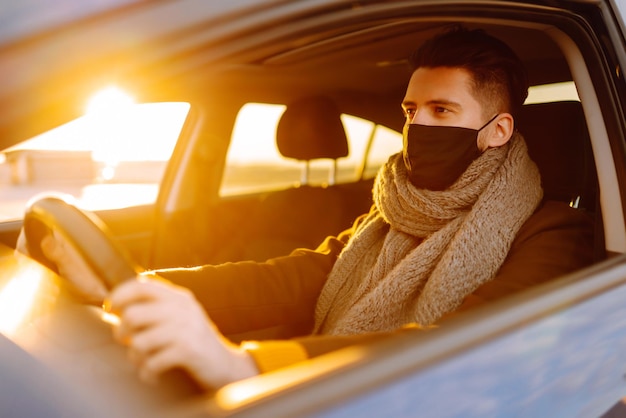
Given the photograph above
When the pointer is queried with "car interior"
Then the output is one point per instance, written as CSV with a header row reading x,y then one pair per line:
x,y
361,72
355,63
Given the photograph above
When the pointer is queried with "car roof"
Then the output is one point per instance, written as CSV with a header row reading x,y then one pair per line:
x,y
54,58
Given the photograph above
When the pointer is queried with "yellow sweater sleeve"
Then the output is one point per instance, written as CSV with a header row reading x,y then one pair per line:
x,y
272,355
275,354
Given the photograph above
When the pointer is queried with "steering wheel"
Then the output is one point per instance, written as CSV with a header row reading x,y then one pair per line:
x,y
106,257
91,237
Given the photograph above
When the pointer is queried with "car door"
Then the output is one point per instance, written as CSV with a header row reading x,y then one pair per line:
x,y
556,350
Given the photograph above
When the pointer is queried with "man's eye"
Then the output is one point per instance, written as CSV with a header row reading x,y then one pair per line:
x,y
439,109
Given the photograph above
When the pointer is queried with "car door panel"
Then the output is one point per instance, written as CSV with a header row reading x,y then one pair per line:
x,y
569,362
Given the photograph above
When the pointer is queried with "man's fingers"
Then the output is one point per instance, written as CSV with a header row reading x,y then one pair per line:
x,y
134,291
139,318
150,340
159,362
51,249
145,304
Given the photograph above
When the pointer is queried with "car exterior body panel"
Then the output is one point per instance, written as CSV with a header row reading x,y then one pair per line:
x,y
567,364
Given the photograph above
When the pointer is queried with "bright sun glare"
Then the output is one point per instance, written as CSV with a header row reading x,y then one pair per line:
x,y
127,143
107,100
17,299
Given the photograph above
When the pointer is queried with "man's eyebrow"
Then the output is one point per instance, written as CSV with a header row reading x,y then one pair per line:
x,y
443,102
436,102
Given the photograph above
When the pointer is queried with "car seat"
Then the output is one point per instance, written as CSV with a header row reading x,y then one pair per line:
x,y
301,217
309,129
558,141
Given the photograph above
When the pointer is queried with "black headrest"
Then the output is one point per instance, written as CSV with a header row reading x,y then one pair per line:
x,y
311,128
558,142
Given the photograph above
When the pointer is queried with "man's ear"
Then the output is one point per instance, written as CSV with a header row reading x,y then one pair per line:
x,y
502,130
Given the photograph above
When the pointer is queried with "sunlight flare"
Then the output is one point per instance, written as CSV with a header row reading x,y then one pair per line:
x,y
17,299
109,100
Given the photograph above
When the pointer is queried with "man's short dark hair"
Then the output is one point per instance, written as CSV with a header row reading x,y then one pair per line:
x,y
500,80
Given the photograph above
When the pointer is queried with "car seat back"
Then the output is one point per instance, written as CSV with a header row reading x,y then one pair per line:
x,y
558,142
309,129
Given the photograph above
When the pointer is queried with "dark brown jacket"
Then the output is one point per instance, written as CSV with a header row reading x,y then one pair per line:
x,y
276,299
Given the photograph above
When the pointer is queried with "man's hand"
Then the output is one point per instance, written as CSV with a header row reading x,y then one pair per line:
x,y
162,324
71,266
165,327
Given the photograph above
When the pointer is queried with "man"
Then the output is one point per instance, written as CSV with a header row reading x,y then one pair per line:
x,y
458,220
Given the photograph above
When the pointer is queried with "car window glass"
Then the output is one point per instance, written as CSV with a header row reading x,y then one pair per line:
x,y
621,6
105,160
254,164
552,93
385,142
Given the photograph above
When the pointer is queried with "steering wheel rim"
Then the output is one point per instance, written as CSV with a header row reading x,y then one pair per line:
x,y
91,237
103,254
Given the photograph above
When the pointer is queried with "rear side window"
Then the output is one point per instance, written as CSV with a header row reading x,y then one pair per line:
x,y
554,92
254,164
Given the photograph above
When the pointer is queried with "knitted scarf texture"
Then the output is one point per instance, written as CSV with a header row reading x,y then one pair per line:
x,y
419,253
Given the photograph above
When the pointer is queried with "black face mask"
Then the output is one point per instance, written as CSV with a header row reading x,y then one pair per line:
x,y
436,156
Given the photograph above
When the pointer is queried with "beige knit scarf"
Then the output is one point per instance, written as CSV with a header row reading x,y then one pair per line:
x,y
419,253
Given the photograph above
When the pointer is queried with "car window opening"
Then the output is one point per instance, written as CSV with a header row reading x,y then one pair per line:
x,y
106,159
